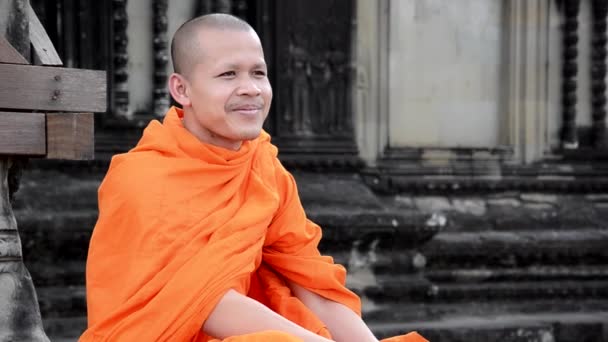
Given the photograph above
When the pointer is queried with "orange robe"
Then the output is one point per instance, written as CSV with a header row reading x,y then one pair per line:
x,y
182,222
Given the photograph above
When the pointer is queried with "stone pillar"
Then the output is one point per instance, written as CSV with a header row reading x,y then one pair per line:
x,y
223,6
569,137
160,94
202,7
598,73
370,91
120,67
239,8
19,312
526,60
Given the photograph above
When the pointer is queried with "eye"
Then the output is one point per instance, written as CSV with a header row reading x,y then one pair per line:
x,y
227,74
260,73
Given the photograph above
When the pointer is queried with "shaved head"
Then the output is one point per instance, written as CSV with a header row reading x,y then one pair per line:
x,y
186,44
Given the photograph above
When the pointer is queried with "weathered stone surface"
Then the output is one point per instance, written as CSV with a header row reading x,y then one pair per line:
x,y
517,256
504,202
433,312
433,204
556,327
516,248
476,207
539,206
597,197
334,191
65,329
469,330
404,201
539,198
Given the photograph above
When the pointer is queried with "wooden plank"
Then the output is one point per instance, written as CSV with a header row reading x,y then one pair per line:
x,y
70,136
44,51
22,134
30,87
8,54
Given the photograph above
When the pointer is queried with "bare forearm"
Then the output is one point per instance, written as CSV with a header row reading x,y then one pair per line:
x,y
237,314
342,322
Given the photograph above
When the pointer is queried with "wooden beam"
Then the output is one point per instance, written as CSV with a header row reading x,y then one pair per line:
x,y
22,134
44,51
29,87
8,54
70,136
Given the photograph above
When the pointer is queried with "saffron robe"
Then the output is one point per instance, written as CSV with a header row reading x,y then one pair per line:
x,y
182,222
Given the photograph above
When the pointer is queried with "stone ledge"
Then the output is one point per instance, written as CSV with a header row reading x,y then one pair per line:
x,y
408,289
64,328
506,328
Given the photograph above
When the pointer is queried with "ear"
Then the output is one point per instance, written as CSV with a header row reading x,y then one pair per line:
x,y
178,87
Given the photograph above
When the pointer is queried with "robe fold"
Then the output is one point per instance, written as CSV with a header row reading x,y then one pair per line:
x,y
182,222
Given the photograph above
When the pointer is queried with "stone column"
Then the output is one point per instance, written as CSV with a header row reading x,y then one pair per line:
x,y
161,58
598,73
19,312
120,67
569,137
526,59
370,91
223,6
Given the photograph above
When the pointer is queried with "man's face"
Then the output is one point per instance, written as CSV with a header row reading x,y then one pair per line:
x,y
228,88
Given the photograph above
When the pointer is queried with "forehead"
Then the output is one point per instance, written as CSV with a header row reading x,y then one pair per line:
x,y
229,46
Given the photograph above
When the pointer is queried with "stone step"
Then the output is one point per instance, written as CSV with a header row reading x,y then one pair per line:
x,y
63,339
62,301
64,235
517,248
64,329
542,327
430,311
530,273
516,255
64,273
50,239
58,236
412,289
50,190
462,326
509,211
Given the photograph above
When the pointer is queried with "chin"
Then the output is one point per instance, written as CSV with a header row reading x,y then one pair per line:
x,y
251,134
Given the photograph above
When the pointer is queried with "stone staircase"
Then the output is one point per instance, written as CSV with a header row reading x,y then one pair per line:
x,y
506,267
502,267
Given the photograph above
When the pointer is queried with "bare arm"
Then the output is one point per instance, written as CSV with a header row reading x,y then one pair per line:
x,y
342,322
237,314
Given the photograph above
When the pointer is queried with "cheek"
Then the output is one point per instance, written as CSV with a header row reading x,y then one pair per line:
x,y
218,97
267,93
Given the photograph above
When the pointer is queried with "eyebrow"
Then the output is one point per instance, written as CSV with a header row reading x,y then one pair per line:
x,y
261,65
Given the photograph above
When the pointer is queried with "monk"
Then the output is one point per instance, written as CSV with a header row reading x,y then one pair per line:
x,y
201,235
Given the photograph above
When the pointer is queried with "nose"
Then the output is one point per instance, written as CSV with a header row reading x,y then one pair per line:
x,y
249,87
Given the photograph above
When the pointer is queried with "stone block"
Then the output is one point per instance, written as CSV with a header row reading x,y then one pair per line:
x,y
476,207
504,202
539,198
433,204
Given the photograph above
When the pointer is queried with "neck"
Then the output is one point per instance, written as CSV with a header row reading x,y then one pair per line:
x,y
204,135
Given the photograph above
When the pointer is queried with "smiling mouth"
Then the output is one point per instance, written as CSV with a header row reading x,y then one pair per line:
x,y
248,110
